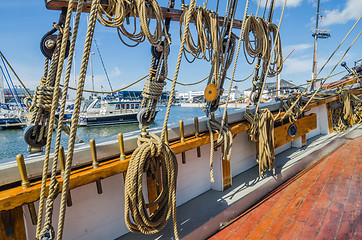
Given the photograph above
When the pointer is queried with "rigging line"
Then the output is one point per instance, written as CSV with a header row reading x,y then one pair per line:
x,y
295,102
332,70
257,10
270,58
12,84
114,91
104,68
235,63
12,94
189,84
265,7
22,84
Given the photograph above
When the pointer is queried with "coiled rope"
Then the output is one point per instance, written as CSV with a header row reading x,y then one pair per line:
x,y
153,152
118,11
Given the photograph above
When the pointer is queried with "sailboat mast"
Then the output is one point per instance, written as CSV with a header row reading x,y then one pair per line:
x,y
2,97
315,50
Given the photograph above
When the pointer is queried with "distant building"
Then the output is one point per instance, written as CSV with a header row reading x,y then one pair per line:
x,y
190,96
235,94
270,90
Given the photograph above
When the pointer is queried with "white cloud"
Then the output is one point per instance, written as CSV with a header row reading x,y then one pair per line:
x,y
297,65
298,48
115,72
280,3
352,11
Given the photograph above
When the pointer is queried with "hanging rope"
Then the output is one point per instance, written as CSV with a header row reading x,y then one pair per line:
x,y
54,185
75,116
343,116
262,132
225,139
118,11
153,153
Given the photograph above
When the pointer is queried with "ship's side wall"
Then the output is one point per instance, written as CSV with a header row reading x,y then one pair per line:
x,y
101,216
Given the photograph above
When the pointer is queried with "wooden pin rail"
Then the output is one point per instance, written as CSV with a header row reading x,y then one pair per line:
x,y
15,197
173,14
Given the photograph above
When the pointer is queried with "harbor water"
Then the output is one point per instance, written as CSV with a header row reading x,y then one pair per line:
x,y
12,141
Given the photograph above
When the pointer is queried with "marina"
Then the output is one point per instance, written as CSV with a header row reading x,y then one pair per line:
x,y
179,120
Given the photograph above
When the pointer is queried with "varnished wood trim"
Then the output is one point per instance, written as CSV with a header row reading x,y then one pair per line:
x,y
173,14
304,125
14,197
16,221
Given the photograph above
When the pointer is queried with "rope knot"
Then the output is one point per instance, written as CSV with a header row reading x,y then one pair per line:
x,y
43,97
153,90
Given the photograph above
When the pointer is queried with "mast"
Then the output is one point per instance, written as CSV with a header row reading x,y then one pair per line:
x,y
2,97
318,33
314,68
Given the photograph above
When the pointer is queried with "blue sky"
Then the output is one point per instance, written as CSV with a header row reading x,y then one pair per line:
x,y
24,22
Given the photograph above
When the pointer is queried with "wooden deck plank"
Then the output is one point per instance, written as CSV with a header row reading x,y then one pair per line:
x,y
268,219
324,203
253,214
317,216
277,229
296,225
334,214
348,226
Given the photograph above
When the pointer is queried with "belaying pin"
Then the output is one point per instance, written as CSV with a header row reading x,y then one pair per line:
x,y
122,155
182,140
198,149
92,143
26,183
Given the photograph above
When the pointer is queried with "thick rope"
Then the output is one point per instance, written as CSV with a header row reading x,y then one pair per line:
x,y
154,152
151,154
50,75
225,139
75,117
61,127
262,132
343,116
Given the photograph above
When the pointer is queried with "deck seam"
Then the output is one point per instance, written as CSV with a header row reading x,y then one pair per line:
x,y
325,160
343,211
322,160
327,180
335,189
349,179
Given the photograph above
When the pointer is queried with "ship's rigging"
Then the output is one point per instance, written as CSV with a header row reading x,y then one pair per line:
x,y
261,43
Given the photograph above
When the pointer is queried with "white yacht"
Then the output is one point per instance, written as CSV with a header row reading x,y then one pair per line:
x,y
109,112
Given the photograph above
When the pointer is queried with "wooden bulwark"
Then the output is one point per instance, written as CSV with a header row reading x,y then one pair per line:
x,y
304,125
173,14
15,197
12,224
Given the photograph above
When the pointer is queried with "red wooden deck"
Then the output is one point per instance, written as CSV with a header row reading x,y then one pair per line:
x,y
321,202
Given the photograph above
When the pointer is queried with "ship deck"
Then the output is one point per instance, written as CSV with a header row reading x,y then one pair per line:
x,y
321,202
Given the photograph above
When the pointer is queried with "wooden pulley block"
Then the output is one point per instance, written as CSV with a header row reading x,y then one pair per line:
x,y
210,93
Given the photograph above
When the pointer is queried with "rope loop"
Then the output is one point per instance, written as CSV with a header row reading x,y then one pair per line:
x,y
225,139
43,97
151,156
153,90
